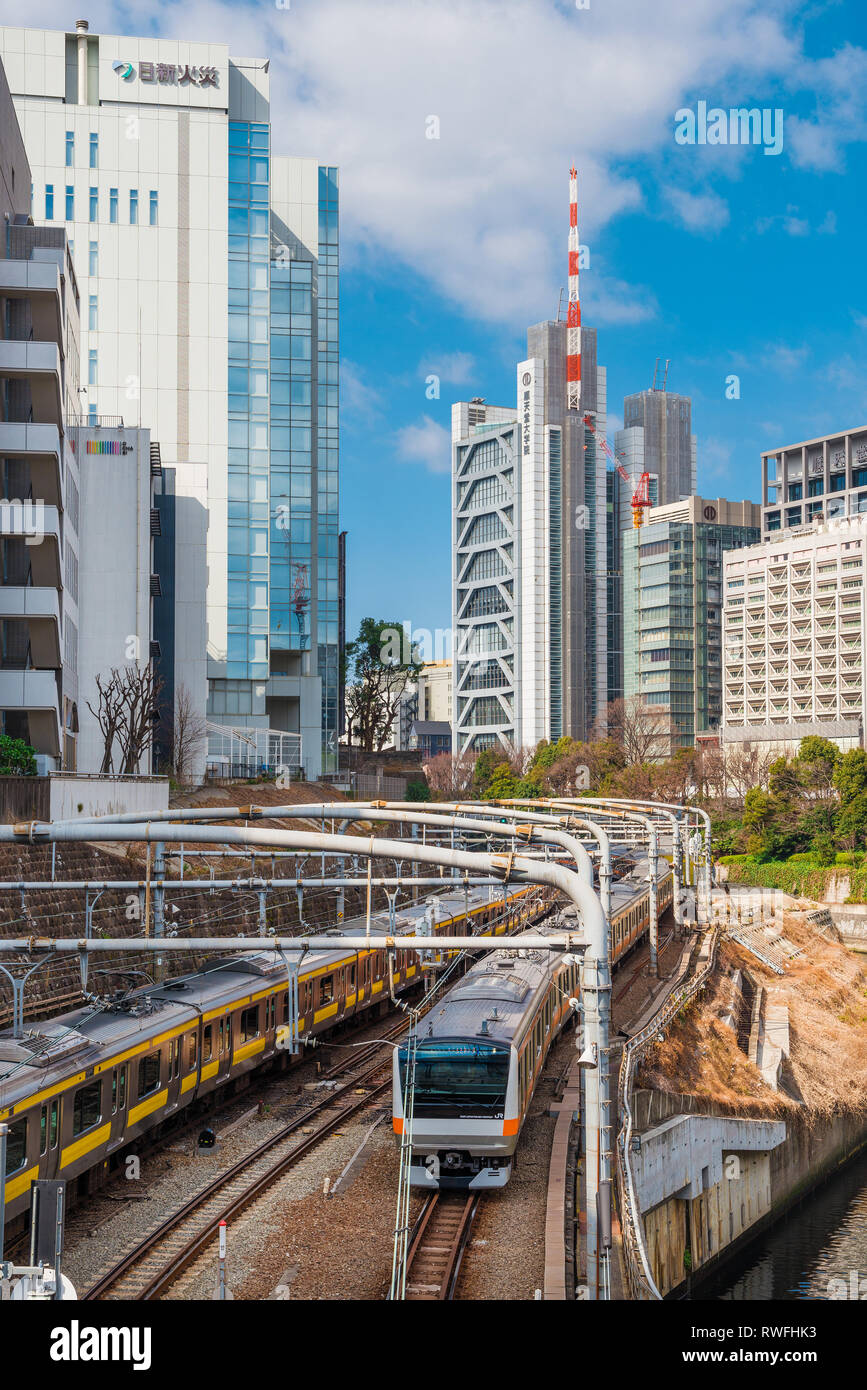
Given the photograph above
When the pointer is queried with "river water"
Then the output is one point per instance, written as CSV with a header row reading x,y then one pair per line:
x,y
807,1254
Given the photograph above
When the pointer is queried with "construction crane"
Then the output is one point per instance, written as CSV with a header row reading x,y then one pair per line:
x,y
640,492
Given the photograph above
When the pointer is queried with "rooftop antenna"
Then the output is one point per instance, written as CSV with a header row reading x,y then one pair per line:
x,y
560,304
573,313
655,371
665,375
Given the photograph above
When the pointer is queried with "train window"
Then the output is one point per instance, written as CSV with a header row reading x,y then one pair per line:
x,y
43,1131
208,1042
193,1050
222,1037
350,978
176,1057
148,1074
326,989
121,1089
273,1012
229,1034
16,1146
114,1092
87,1109
249,1023
286,1007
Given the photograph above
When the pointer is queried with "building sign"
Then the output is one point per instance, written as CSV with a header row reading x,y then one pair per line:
x,y
167,74
525,415
107,446
815,465
710,513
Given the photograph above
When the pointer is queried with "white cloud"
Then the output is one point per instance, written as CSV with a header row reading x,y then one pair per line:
x,y
359,401
699,212
426,442
456,368
521,88
782,358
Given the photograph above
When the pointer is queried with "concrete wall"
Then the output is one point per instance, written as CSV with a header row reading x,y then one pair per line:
x,y
749,1195
101,796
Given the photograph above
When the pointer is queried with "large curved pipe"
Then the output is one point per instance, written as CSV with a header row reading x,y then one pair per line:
x,y
596,985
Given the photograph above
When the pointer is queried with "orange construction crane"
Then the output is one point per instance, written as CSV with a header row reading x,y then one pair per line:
x,y
641,499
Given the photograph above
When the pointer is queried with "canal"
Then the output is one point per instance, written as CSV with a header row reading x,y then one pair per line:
x,y
822,1239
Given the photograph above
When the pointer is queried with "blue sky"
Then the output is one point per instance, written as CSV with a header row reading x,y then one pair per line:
x,y
721,258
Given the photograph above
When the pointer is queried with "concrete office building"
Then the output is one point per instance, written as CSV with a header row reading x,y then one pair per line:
x,y
672,611
39,511
207,270
530,582
429,698
819,479
793,627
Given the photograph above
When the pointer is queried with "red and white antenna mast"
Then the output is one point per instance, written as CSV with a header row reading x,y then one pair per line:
x,y
573,318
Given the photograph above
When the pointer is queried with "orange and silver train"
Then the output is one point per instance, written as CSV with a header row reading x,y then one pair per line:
x,y
478,1055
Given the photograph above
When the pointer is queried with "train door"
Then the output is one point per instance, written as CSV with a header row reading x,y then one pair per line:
x,y
173,1079
49,1138
224,1056
119,1086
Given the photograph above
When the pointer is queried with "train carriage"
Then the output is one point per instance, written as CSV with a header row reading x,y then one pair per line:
x,y
480,1052
79,1090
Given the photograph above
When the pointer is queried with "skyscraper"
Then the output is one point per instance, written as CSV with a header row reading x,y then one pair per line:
x,y
656,439
207,267
529,519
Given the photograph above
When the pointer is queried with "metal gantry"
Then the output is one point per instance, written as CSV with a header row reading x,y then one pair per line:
x,y
522,828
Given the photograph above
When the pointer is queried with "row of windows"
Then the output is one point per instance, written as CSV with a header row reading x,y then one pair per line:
x,y
93,205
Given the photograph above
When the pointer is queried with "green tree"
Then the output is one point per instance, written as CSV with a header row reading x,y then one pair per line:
x,y
483,771
503,784
17,758
379,665
418,790
850,775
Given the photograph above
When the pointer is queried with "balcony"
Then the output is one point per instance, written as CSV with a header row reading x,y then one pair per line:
x,y
39,364
38,284
41,448
34,693
40,610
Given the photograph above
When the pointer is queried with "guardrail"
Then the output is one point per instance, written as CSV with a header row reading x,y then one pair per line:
x,y
642,1286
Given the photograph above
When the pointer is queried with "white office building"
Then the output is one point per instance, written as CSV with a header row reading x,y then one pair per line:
x,y
207,271
793,638
529,553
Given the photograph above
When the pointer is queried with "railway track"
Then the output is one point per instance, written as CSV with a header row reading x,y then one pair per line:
x,y
147,1270
435,1255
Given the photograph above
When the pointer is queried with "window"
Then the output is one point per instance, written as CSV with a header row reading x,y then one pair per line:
x,y
91,413
192,1051
121,1089
16,1146
250,1023
93,213
154,209
326,989
112,205
148,1074
87,1109
208,1043
49,202
93,259
43,1131
94,150
70,149
91,367
133,206
92,313
70,203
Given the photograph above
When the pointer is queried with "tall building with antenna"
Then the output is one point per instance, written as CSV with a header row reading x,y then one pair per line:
x,y
530,559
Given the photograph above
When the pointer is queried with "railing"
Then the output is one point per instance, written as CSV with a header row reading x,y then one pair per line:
x,y
638,1273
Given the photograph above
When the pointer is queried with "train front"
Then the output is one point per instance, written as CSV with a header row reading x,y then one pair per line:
x,y
464,1108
